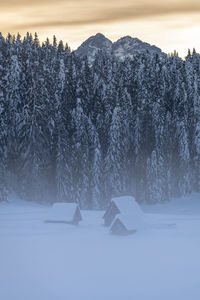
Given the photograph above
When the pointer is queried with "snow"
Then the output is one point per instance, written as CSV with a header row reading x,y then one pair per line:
x,y
40,261
127,204
62,212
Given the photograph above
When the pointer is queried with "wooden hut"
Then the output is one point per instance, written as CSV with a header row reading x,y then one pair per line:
x,y
120,205
125,224
68,213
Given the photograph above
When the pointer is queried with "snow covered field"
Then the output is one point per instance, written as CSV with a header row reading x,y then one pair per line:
x,y
40,261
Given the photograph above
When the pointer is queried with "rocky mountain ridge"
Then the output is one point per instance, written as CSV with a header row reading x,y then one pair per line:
x,y
122,48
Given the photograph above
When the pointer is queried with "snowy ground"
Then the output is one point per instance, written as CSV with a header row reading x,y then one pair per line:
x,y
41,261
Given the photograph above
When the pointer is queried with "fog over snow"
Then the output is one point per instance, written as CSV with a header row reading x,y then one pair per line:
x,y
40,261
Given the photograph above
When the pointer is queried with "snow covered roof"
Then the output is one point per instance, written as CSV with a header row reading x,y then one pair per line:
x,y
130,221
62,212
127,204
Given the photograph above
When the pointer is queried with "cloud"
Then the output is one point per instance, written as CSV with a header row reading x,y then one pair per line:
x,y
62,13
80,12
23,3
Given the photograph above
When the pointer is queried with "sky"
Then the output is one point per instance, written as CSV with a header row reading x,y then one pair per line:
x,y
170,25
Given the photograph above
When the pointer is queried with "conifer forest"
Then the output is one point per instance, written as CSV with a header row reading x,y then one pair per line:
x,y
72,131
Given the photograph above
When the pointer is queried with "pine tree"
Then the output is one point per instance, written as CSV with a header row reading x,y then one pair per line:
x,y
14,100
114,161
96,162
156,179
80,155
3,131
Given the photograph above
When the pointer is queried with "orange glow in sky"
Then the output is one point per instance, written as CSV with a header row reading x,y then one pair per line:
x,y
172,24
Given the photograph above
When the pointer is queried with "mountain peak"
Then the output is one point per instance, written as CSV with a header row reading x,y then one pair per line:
x,y
99,35
93,45
129,47
127,37
126,46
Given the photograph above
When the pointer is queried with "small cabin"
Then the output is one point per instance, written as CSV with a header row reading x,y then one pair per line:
x,y
68,213
125,224
121,205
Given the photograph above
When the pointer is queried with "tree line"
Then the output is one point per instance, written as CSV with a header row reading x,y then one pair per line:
x,y
75,132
